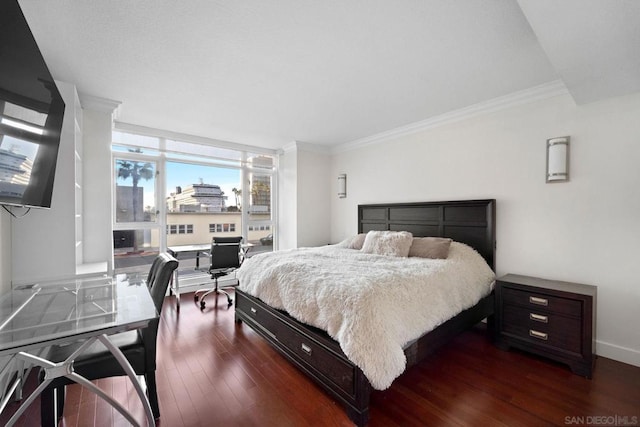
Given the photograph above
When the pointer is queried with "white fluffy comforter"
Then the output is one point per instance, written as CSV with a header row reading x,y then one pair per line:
x,y
373,305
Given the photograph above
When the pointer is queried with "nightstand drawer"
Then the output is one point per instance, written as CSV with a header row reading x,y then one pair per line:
x,y
542,302
543,328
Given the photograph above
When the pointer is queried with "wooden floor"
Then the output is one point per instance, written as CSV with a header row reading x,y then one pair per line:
x,y
213,372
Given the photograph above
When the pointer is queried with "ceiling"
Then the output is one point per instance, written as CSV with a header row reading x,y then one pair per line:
x,y
329,72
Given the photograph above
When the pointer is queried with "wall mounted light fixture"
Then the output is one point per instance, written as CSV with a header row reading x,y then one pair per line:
x,y
342,185
558,159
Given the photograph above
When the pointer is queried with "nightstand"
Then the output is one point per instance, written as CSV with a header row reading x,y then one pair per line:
x,y
550,318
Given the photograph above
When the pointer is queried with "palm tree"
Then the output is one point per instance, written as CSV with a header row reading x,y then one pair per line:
x,y
237,193
136,171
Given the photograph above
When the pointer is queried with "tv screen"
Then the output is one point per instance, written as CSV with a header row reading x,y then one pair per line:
x,y
31,113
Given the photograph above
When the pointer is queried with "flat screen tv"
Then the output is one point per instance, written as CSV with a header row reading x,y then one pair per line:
x,y
31,113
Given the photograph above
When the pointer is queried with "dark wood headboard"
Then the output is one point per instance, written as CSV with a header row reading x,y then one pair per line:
x,y
467,221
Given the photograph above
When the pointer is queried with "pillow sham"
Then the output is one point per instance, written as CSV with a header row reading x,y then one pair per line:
x,y
430,247
353,242
357,241
392,243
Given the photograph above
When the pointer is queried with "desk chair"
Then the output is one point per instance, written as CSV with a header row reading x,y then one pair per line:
x,y
226,256
138,346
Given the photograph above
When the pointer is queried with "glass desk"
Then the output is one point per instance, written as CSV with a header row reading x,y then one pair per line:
x,y
33,317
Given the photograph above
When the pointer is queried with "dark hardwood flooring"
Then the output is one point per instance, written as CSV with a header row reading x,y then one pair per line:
x,y
213,372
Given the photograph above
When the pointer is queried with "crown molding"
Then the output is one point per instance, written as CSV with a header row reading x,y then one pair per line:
x,y
536,93
305,146
288,148
96,103
313,148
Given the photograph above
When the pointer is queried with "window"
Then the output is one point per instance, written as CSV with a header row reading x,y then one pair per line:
x,y
260,215
222,228
186,185
200,195
135,189
180,229
185,229
135,244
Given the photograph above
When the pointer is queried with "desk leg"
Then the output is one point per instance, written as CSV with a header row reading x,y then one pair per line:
x,y
174,287
131,374
15,385
65,369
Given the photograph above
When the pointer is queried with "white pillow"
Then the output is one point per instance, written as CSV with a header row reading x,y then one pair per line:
x,y
353,242
357,241
392,243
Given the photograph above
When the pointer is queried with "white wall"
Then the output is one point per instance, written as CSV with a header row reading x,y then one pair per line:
x,y
586,230
304,207
43,241
5,252
314,211
5,282
287,230
98,240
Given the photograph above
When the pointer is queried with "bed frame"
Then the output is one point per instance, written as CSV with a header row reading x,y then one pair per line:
x,y
320,357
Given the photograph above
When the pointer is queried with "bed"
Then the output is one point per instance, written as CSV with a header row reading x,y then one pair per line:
x,y
321,357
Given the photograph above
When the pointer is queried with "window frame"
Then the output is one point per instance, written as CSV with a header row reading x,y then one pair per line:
x,y
161,154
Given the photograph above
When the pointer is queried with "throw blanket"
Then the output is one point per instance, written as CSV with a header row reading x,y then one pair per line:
x,y
373,305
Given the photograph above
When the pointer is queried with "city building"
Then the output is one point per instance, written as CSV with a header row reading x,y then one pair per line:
x,y
15,172
197,198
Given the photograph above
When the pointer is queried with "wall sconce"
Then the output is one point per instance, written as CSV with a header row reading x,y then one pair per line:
x,y
558,159
342,185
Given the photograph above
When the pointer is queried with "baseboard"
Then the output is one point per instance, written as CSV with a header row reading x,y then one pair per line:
x,y
619,353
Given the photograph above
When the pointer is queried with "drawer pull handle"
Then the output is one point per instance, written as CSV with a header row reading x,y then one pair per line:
x,y
538,301
538,318
253,310
539,335
306,349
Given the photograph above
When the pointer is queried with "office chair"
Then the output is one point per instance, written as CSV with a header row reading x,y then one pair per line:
x,y
138,346
226,256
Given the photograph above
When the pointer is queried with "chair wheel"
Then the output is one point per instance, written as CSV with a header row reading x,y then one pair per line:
x,y
195,298
229,303
202,305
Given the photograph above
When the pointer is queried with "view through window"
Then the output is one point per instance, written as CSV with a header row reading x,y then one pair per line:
x,y
172,193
